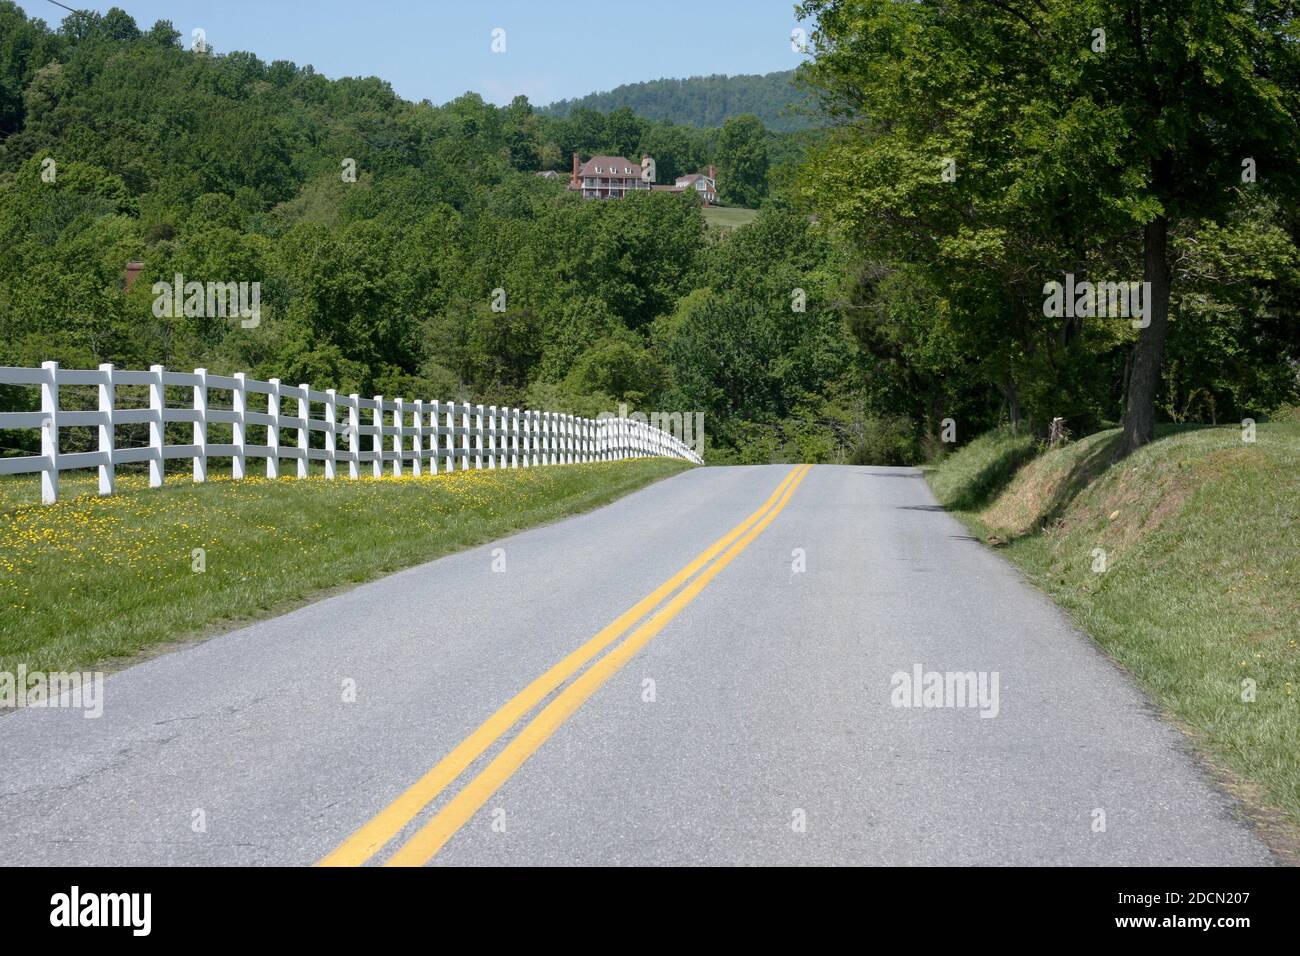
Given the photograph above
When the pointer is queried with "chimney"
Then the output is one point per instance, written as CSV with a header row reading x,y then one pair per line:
x,y
713,173
574,180
132,273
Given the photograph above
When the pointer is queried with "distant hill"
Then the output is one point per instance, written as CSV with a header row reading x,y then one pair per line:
x,y
703,101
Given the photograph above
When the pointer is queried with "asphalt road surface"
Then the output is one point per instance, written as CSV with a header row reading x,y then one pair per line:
x,y
558,697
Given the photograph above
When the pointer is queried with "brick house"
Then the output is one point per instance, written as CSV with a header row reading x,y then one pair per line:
x,y
606,177
613,177
706,184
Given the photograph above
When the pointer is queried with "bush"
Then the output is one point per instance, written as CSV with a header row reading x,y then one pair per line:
x,y
885,440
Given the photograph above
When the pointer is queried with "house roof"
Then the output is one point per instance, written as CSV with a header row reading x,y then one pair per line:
x,y
610,166
691,178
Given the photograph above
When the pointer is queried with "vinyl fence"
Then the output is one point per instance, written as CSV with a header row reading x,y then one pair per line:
x,y
378,432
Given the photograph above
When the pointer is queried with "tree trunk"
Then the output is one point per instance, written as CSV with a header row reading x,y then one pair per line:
x,y
1144,373
1012,396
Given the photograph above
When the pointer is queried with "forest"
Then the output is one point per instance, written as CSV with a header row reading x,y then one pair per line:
x,y
706,101
893,280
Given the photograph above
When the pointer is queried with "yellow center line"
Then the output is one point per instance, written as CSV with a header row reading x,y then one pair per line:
x,y
374,834
430,838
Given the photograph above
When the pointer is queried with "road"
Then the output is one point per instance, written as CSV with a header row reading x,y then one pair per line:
x,y
457,713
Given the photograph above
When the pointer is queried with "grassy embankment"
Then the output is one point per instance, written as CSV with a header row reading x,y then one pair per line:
x,y
1201,592
89,579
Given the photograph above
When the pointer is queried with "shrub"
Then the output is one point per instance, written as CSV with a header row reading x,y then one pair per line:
x,y
885,440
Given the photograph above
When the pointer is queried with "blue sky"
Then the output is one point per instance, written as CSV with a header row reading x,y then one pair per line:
x,y
439,49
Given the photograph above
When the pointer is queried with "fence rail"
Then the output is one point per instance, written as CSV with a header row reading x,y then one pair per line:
x,y
399,433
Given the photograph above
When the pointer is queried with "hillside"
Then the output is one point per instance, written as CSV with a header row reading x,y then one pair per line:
x,y
704,101
1201,589
378,230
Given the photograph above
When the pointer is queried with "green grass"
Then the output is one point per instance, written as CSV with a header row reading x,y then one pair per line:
x,y
1202,588
729,217
89,579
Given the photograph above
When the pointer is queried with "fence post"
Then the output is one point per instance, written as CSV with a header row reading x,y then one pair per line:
x,y
417,466
331,423
521,436
377,419
201,425
451,436
273,430
50,433
239,430
304,412
514,438
434,444
464,435
354,437
107,440
156,405
492,435
478,436
399,443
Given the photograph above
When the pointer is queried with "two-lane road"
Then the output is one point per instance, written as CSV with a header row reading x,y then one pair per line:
x,y
711,670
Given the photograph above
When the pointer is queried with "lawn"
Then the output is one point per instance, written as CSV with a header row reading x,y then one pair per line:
x,y
729,217
1199,593
88,579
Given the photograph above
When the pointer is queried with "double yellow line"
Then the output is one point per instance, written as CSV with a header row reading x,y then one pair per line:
x,y
429,839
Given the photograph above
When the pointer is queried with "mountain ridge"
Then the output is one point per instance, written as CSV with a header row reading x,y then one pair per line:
x,y
701,101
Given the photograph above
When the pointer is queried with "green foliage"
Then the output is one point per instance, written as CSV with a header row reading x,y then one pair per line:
x,y
862,304
222,168
986,149
705,101
885,440
742,161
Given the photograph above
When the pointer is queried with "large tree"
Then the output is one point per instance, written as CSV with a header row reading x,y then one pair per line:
x,y
742,161
1064,127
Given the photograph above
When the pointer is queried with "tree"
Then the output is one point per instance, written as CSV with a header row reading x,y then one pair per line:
x,y
1204,89
623,132
1067,127
742,161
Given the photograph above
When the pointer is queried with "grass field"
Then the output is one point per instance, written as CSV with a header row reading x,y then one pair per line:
x,y
729,217
89,579
1200,596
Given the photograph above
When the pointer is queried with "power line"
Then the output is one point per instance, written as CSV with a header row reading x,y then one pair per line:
x,y
65,6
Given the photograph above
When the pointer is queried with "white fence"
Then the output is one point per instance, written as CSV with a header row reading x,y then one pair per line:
x,y
416,434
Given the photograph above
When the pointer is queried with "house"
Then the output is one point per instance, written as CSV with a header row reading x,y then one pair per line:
x,y
613,177
607,177
706,184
